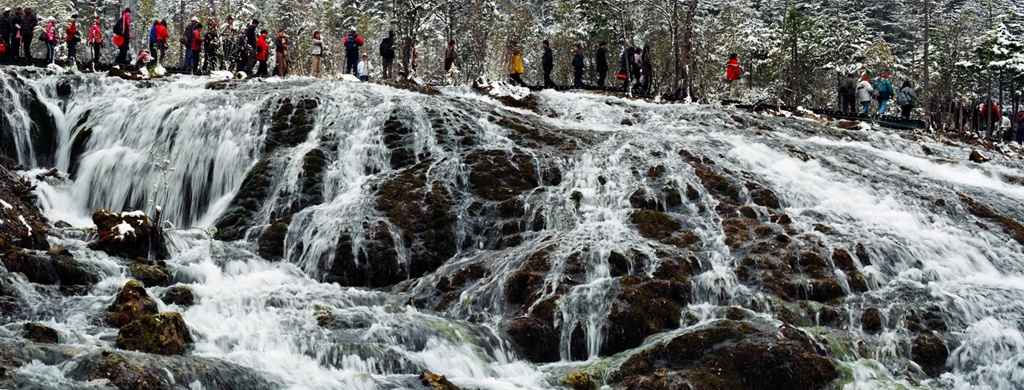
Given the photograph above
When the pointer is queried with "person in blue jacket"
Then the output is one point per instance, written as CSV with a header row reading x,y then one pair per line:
x,y
885,92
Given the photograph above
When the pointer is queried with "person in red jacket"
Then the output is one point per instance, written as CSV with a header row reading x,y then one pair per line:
x,y
161,39
990,117
262,47
71,37
197,45
733,73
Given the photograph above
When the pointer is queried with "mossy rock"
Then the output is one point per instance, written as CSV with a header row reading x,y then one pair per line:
x,y
871,321
250,198
127,234
163,333
729,354
126,374
179,295
131,303
436,381
70,272
643,307
499,175
579,380
654,224
374,264
271,241
150,273
314,163
290,123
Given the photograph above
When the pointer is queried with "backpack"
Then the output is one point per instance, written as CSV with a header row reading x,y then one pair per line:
x,y
351,45
884,88
186,36
386,49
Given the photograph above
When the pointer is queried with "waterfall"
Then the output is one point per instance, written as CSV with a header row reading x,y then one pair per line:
x,y
347,235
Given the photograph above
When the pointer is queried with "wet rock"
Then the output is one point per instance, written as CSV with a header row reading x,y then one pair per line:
x,y
127,374
373,264
398,138
40,333
643,307
1012,227
640,200
125,234
499,175
313,166
423,212
36,268
579,380
765,197
179,295
618,264
436,381
291,123
69,271
654,224
249,200
871,321
131,303
715,183
271,241
728,354
930,352
978,157
128,370
538,341
163,333
150,273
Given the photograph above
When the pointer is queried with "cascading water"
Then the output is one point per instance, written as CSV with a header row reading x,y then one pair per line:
x,y
508,246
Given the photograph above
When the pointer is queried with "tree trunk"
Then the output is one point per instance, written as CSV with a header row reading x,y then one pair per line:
x,y
925,89
687,46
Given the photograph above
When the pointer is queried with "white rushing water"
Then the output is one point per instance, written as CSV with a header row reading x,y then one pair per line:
x,y
177,144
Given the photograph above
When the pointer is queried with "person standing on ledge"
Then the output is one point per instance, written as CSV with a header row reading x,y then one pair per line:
x,y
577,67
601,63
732,74
515,64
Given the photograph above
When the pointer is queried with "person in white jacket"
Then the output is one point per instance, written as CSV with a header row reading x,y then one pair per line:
x,y
365,68
864,92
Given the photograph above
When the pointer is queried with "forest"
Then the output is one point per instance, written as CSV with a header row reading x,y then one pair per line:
x,y
953,51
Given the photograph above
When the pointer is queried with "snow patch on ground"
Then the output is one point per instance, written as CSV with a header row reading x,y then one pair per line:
x,y
6,205
501,89
133,214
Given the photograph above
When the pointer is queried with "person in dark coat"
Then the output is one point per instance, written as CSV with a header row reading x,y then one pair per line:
x,y
547,62
601,63
577,67
211,42
28,28
449,56
646,71
250,43
15,37
387,55
848,94
626,67
5,29
123,27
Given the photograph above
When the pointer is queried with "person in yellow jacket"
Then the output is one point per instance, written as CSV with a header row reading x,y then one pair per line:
x,y
515,64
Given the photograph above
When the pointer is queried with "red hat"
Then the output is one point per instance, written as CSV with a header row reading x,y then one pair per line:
x,y
863,79
885,76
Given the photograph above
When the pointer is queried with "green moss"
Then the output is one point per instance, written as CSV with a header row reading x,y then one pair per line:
x,y
654,224
271,242
251,196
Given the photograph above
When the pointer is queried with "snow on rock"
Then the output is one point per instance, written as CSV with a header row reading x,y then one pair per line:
x,y
24,222
350,78
6,205
122,229
501,90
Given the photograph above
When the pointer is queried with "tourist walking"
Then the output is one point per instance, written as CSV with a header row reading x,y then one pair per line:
x,y
251,49
161,40
864,92
123,29
387,55
989,117
601,63
28,28
197,46
211,42
646,70
547,63
352,43
577,67
317,52
5,30
906,99
884,91
848,94
95,41
449,56
733,72
188,37
262,49
515,64
1020,127
279,53
228,35
365,68
50,38
72,37
152,36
